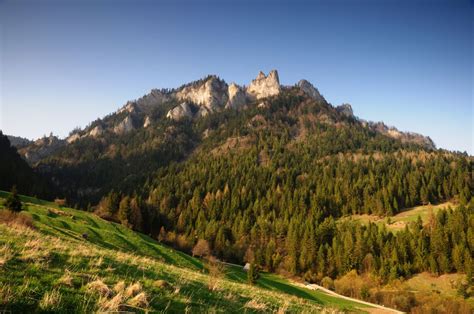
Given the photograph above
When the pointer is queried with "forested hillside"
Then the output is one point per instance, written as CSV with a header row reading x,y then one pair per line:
x,y
266,183
14,171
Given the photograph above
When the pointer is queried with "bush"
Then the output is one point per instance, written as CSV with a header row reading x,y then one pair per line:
x,y
252,274
327,283
11,218
13,202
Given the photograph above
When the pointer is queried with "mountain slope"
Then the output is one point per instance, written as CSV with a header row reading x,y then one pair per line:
x,y
15,171
266,180
114,268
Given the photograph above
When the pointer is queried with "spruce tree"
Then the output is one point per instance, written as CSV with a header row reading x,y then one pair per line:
x,y
13,202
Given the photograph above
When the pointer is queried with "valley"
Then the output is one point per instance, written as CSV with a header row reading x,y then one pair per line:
x,y
47,263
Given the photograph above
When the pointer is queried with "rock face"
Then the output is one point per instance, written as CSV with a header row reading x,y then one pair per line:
x,y
212,94
180,112
125,126
345,109
406,137
154,98
74,137
310,90
264,86
95,132
147,122
18,142
42,148
237,98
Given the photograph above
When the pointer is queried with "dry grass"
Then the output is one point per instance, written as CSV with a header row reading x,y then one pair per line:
x,y
66,279
140,300
51,300
103,297
399,221
15,219
133,290
6,253
256,305
6,294
98,286
119,287
445,284
113,304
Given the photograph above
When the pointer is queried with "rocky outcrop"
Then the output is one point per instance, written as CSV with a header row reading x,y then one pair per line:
x,y
96,131
345,109
264,86
180,112
129,107
42,148
154,98
147,122
310,90
125,126
405,137
18,142
73,137
237,98
212,94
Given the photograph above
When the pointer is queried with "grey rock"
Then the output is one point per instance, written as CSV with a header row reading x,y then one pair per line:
x,y
345,109
237,98
180,112
125,126
264,86
310,90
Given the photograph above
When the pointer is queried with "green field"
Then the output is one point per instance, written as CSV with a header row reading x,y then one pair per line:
x,y
402,219
53,267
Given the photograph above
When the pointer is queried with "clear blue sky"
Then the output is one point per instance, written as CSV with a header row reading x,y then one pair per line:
x,y
409,64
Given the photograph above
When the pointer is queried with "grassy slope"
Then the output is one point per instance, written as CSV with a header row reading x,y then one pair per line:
x,y
399,221
53,266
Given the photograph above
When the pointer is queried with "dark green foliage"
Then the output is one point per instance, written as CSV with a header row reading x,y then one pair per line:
x,y
275,180
252,274
13,202
14,171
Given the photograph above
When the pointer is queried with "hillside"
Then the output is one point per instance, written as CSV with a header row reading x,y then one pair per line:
x,y
53,266
15,171
263,173
404,218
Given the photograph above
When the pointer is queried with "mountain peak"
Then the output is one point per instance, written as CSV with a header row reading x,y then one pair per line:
x,y
264,86
310,90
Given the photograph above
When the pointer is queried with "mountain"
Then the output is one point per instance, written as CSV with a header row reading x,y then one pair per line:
x,y
14,171
270,175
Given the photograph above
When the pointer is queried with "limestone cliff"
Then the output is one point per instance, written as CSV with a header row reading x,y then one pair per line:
x,y
310,90
212,94
180,112
237,98
264,86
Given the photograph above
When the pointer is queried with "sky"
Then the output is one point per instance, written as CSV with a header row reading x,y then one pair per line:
x,y
410,64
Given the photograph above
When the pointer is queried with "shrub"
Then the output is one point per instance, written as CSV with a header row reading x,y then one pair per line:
x,y
327,283
12,218
13,202
252,274
201,248
60,201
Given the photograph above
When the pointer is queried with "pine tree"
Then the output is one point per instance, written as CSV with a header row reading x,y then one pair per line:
x,y
252,274
13,202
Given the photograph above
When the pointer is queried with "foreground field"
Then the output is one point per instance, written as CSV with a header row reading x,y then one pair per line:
x,y
71,260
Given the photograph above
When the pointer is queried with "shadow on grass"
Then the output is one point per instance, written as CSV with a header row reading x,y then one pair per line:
x,y
270,284
187,260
